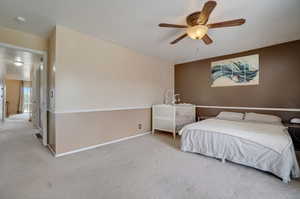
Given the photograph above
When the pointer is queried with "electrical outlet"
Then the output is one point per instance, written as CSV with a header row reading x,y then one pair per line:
x,y
140,126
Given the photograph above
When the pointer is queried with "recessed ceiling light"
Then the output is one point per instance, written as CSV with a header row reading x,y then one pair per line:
x,y
18,63
18,59
20,19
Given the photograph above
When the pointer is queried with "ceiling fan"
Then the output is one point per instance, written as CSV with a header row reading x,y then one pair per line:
x,y
197,26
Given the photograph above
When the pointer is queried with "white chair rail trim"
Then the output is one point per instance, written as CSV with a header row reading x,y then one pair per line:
x,y
103,109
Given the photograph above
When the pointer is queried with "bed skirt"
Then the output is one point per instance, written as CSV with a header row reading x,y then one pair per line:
x,y
242,151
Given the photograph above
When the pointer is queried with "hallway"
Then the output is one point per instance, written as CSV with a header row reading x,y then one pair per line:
x,y
21,155
18,117
17,137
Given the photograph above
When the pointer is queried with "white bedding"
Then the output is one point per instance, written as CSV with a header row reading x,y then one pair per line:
x,y
263,146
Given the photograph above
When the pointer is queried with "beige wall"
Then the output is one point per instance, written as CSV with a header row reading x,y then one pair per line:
x,y
51,87
22,39
96,74
12,96
93,74
78,130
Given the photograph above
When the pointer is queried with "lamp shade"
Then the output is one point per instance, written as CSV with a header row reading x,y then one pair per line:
x,y
197,32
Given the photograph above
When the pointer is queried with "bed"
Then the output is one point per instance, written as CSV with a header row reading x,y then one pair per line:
x,y
264,146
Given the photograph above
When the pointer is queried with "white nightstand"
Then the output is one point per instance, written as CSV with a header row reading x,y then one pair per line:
x,y
172,118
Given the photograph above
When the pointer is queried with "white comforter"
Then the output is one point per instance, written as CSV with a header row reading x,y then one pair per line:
x,y
263,146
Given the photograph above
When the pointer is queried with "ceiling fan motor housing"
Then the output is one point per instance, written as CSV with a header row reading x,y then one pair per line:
x,y
192,19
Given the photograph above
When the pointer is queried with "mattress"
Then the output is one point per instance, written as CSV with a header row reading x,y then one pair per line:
x,y
267,147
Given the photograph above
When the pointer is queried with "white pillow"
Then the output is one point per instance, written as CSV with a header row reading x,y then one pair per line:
x,y
262,118
230,116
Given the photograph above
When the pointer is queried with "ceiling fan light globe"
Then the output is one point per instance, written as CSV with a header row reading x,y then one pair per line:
x,y
197,32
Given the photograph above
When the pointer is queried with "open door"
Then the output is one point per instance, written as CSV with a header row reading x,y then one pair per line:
x,y
2,101
39,100
44,99
35,99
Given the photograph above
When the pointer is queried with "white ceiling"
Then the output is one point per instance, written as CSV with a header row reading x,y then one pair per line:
x,y
133,23
8,70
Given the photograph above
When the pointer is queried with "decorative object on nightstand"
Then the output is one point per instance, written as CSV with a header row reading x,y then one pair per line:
x,y
172,117
294,131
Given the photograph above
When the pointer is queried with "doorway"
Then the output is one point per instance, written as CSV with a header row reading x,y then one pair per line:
x,y
23,88
18,99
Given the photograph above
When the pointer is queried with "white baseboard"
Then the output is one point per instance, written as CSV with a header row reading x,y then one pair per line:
x,y
99,145
51,150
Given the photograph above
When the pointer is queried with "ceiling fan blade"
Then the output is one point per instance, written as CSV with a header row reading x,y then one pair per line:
x,y
206,11
166,25
207,40
179,38
236,22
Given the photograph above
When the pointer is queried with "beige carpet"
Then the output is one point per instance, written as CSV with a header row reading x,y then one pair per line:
x,y
144,167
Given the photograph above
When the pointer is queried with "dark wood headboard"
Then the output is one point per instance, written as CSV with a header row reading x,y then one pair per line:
x,y
211,112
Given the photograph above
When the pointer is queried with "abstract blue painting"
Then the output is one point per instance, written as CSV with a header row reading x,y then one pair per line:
x,y
240,71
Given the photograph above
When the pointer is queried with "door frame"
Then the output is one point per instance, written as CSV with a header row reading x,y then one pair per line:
x,y
43,86
3,97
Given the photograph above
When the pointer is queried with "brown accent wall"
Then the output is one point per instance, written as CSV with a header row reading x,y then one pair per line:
x,y
279,85
79,130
